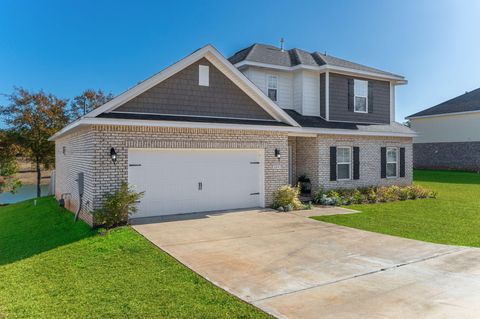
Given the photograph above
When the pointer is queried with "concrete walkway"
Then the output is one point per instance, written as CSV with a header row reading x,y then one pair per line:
x,y
294,267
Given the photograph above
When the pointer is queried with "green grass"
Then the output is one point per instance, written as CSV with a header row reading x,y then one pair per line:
x,y
452,218
53,268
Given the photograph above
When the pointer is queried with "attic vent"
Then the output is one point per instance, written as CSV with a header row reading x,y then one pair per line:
x,y
203,75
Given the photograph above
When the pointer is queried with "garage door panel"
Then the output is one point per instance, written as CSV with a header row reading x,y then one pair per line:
x,y
170,179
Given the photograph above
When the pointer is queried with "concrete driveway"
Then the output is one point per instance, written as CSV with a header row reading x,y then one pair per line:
x,y
294,267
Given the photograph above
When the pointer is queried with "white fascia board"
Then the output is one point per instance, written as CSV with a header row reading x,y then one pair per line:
x,y
247,127
439,115
325,68
217,59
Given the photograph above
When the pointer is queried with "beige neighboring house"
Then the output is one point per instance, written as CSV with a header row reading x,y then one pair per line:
x,y
210,133
448,134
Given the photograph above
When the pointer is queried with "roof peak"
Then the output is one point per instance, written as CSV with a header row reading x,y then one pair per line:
x,y
274,55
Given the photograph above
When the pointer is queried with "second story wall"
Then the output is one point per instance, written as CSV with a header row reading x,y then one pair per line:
x,y
447,128
340,108
285,84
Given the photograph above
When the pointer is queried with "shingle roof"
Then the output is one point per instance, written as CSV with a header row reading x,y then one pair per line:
x,y
264,53
318,122
470,101
182,118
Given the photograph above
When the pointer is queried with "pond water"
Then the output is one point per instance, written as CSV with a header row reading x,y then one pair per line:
x,y
25,192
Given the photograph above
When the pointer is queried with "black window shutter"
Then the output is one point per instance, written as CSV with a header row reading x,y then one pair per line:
x,y
333,163
356,163
350,94
402,162
383,162
370,97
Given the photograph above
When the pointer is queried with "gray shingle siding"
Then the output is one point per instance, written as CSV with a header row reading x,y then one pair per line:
x,y
181,95
339,101
322,96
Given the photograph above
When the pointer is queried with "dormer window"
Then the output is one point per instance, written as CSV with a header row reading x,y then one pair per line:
x,y
272,85
361,96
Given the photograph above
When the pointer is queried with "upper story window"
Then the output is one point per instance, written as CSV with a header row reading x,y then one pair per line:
x,y
203,75
272,87
392,162
361,96
344,163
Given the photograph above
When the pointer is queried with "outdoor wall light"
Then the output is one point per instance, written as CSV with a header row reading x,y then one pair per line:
x,y
277,153
113,155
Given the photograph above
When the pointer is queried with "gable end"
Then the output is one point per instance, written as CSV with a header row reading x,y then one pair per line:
x,y
181,94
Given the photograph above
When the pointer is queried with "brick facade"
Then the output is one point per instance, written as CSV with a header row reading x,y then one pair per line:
x,y
447,155
89,151
313,159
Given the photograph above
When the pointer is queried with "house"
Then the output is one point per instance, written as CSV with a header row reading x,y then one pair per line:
x,y
210,133
448,134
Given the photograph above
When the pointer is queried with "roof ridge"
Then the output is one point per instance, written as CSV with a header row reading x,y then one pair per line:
x,y
250,49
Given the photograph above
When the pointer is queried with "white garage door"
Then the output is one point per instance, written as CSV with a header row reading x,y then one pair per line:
x,y
178,181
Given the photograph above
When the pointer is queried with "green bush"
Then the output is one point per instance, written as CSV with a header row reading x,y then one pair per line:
x,y
286,197
117,207
371,195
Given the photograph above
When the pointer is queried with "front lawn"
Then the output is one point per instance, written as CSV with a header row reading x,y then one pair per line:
x,y
52,268
452,218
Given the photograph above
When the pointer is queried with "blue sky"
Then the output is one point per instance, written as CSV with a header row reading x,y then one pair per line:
x,y
65,47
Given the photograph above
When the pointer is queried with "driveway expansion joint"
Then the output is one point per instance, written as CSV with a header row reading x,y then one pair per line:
x,y
393,267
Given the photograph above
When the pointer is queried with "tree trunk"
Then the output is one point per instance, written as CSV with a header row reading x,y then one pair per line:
x,y
39,179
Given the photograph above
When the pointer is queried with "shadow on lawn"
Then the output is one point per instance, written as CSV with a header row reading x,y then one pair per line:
x,y
27,230
445,176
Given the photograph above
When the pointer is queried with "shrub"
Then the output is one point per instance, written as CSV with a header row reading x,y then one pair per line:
x,y
403,193
286,197
371,195
317,196
118,206
308,206
388,194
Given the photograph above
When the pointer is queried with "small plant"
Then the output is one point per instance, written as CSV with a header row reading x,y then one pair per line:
x,y
371,195
317,196
308,206
118,206
286,197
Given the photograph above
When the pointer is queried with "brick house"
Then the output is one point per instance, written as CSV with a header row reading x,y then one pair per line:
x,y
448,135
210,133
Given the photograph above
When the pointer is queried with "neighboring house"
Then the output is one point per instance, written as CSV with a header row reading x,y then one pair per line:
x,y
210,134
448,134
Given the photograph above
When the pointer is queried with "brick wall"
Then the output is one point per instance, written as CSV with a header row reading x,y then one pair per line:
x,y
447,155
104,176
74,154
369,160
307,159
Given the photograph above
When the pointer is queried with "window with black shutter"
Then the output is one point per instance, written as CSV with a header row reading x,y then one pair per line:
x,y
402,162
333,163
356,163
383,162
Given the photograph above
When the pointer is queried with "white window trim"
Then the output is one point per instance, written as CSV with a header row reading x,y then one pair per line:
x,y
272,88
349,163
203,75
355,95
396,162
